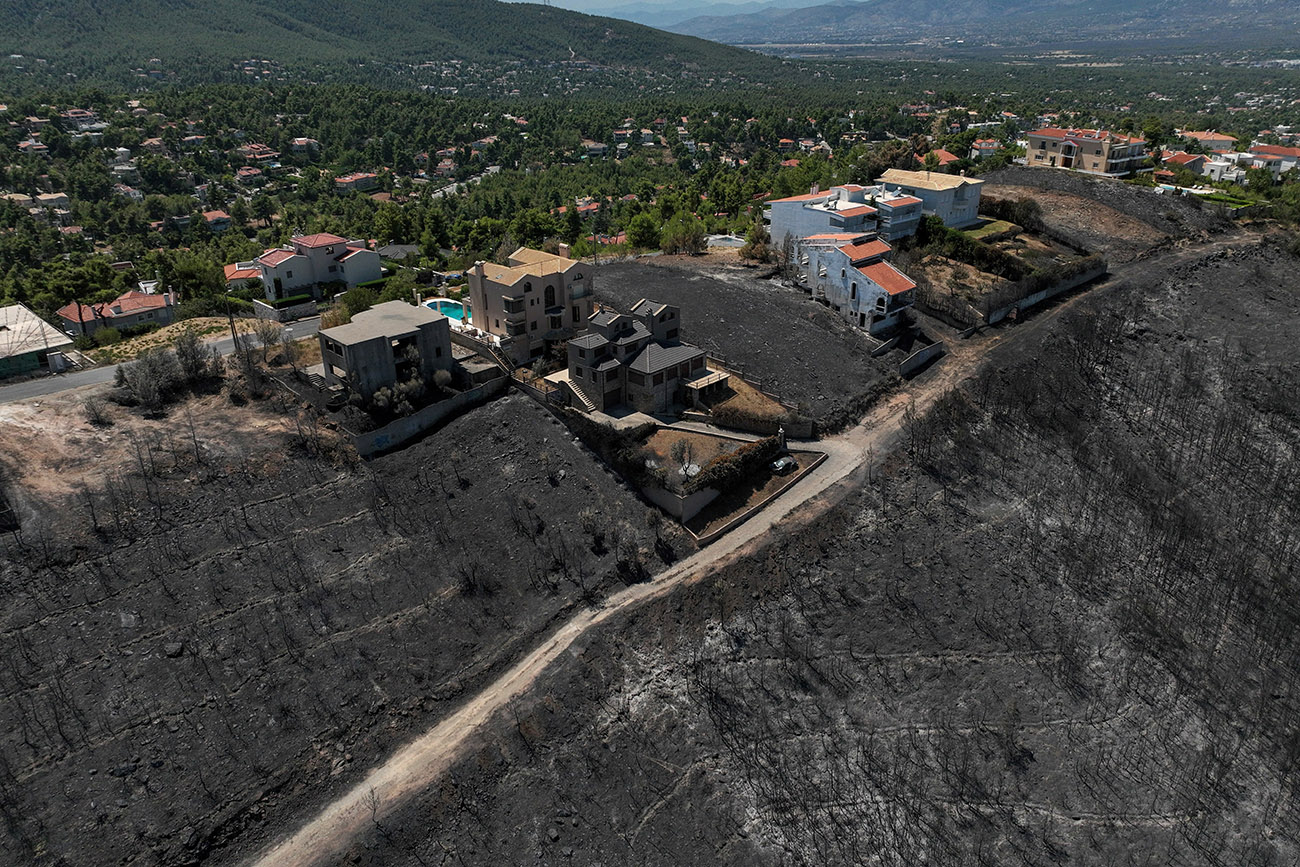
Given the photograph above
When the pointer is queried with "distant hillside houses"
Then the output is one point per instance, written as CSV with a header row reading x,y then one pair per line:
x,y
850,208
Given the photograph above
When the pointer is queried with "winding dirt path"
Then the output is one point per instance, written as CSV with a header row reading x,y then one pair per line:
x,y
423,761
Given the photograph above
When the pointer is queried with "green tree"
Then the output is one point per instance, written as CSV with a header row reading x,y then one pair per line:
x,y
643,231
683,234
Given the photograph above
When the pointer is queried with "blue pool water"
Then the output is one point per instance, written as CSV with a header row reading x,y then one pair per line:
x,y
451,309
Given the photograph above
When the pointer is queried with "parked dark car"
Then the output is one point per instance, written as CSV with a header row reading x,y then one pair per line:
x,y
783,465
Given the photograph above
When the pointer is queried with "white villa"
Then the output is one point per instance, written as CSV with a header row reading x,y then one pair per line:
x,y
309,261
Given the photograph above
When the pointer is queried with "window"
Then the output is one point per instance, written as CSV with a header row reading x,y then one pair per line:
x,y
582,353
333,268
528,287
533,325
672,334
576,315
844,273
550,296
437,352
634,378
288,273
853,291
496,323
659,379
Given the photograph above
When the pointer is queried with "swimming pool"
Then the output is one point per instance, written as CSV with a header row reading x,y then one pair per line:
x,y
449,308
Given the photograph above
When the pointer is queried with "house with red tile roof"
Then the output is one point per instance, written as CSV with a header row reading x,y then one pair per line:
x,y
362,181
1179,160
946,158
849,274
128,310
984,147
1289,157
1213,141
1094,151
310,262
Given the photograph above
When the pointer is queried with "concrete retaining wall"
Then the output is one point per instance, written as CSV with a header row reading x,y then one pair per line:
x,y
920,358
393,434
735,522
284,314
683,508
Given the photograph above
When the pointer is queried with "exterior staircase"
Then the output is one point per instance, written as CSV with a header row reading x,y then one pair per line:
x,y
584,403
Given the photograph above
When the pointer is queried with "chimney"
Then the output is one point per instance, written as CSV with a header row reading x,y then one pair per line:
x,y
814,189
564,251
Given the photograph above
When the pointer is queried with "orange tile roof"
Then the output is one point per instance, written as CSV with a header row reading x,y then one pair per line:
x,y
859,211
888,277
321,239
271,258
862,252
1276,151
806,197
900,201
234,272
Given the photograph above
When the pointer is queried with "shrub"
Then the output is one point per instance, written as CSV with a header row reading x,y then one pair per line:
x,y
107,336
727,470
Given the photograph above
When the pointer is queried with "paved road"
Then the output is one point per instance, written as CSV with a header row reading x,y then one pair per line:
x,y
47,385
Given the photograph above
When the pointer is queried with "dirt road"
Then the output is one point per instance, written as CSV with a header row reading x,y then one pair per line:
x,y
420,763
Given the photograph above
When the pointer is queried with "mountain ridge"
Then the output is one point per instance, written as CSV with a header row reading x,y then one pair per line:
x,y
1012,22
85,34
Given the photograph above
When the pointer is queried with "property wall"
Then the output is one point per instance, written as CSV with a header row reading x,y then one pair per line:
x,y
393,434
1038,297
683,508
920,358
263,310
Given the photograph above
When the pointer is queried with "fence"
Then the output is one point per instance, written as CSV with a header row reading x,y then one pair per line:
x,y
1000,313
717,361
396,432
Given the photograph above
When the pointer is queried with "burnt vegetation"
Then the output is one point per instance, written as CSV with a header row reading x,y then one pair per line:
x,y
1057,626
201,647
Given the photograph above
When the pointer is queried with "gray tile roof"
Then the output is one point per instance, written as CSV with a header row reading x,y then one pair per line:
x,y
590,340
660,356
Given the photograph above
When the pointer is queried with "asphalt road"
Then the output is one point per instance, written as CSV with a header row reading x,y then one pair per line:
x,y
46,385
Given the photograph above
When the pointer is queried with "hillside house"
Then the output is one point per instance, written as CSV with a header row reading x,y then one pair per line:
x,y
637,360
536,301
311,261
387,344
128,310
955,199
1094,151
239,274
77,119
216,221
304,146
1211,140
1190,162
850,275
946,158
356,181
850,208
984,147
26,341
1288,157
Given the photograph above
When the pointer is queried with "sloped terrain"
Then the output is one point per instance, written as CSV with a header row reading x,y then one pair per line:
x,y
1057,627
1105,215
197,654
83,35
791,344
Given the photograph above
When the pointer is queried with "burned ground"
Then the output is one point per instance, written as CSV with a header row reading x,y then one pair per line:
x,y
1057,627
1106,215
791,344
196,654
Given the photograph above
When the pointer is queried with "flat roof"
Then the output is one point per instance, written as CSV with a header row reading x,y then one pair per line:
x,y
22,331
390,319
935,181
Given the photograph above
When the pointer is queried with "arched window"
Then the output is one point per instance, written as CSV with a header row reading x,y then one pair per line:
x,y
853,291
528,287
550,296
